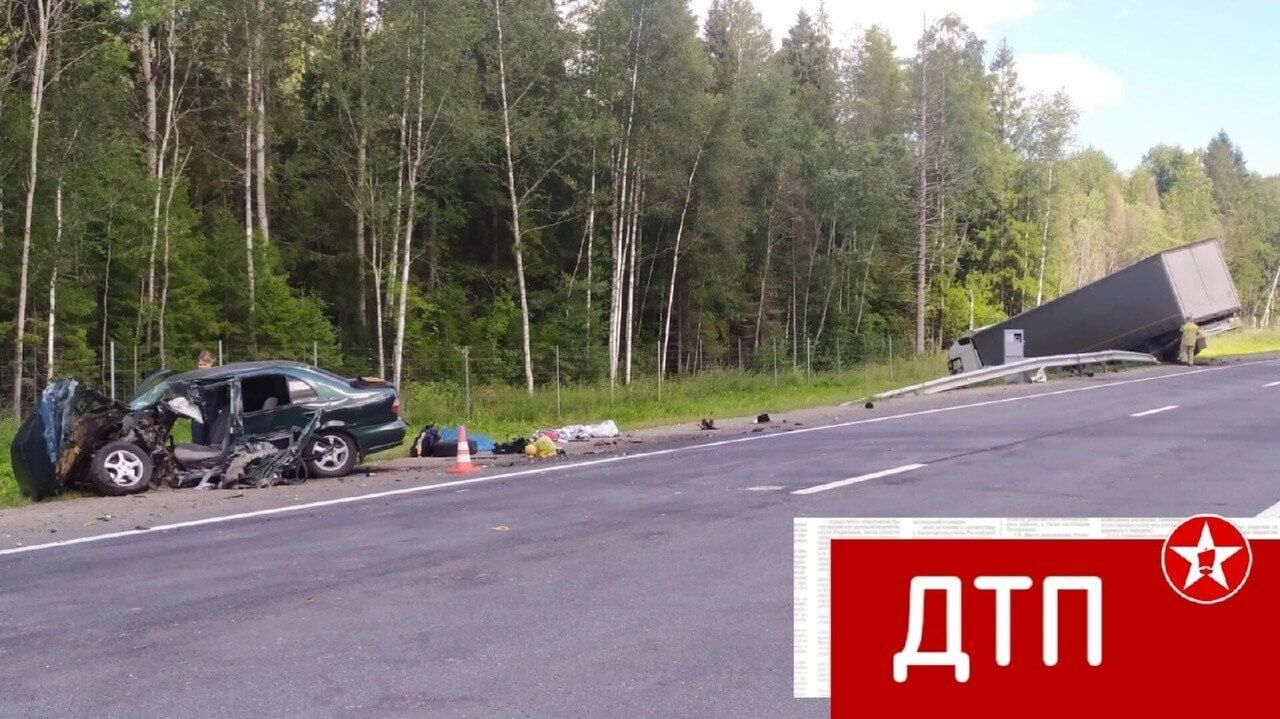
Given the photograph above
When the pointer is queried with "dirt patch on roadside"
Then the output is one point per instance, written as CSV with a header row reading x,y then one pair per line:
x,y
74,517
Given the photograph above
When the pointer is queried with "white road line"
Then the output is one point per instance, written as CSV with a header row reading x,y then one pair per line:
x,y
606,460
1272,384
859,479
1272,512
1157,410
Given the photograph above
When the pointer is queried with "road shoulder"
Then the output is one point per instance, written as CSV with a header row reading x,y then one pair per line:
x,y
78,517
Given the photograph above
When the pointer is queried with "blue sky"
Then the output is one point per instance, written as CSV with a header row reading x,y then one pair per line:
x,y
1142,71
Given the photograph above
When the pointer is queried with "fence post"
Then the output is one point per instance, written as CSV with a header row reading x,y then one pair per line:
x,y
557,381
775,361
135,365
113,369
466,382
315,354
740,366
839,367
661,370
808,359
220,361
890,356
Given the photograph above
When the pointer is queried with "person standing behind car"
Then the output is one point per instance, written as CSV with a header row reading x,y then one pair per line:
x,y
200,430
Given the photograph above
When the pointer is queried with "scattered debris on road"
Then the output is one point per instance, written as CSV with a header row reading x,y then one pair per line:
x,y
542,448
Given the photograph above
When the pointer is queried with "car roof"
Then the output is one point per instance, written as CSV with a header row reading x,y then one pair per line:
x,y
234,369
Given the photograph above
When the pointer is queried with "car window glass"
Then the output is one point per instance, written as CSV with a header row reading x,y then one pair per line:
x,y
301,392
326,384
264,392
151,391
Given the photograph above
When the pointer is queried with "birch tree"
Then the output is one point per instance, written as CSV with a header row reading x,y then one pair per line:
x,y
517,244
44,28
528,41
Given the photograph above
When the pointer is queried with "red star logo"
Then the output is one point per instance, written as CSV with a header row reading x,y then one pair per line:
x,y
1206,559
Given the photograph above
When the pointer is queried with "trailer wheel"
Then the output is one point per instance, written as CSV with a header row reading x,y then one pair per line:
x,y
120,468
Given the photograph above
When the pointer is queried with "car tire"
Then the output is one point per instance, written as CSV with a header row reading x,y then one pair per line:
x,y
335,455
120,468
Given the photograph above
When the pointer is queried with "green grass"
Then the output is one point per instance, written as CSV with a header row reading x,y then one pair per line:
x,y
501,411
9,495
1242,342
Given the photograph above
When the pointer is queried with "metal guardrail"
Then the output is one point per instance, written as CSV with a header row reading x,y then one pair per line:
x,y
1031,364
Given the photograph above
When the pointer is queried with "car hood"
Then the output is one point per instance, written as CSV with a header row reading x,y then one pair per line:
x,y
65,422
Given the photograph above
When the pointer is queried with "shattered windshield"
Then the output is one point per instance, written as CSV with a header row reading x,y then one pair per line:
x,y
151,391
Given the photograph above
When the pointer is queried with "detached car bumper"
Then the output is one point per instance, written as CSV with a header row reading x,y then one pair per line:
x,y
380,437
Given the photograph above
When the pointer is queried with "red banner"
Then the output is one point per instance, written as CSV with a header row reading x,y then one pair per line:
x,y
1054,628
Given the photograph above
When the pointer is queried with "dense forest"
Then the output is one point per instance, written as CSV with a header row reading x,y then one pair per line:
x,y
385,182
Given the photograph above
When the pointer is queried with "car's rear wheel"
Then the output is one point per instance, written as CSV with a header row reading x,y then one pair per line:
x,y
120,468
333,454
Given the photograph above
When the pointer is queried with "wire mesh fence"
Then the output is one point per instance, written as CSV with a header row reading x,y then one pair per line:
x,y
119,368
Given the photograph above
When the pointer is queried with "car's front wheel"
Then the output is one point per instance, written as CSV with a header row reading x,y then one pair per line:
x,y
333,454
120,468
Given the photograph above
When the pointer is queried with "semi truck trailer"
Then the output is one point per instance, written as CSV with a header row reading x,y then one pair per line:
x,y
1140,308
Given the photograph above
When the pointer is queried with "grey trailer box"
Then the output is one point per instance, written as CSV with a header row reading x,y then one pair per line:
x,y
1139,308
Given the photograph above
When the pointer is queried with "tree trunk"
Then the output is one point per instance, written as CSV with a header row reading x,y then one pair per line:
x,y
591,239
764,276
106,298
862,292
675,257
833,262
53,283
517,246
248,185
632,255
362,161
1271,295
621,212
922,199
46,10
402,165
377,298
260,123
414,163
1044,238
176,172
145,50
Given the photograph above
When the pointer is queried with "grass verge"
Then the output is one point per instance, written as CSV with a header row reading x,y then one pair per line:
x,y
500,411
9,495
1242,342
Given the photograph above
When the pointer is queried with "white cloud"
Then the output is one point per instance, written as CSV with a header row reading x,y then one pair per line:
x,y
1089,84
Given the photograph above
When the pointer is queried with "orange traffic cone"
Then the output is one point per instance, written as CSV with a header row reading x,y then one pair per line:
x,y
463,465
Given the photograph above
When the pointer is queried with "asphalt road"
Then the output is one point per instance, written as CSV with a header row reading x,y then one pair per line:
x,y
657,585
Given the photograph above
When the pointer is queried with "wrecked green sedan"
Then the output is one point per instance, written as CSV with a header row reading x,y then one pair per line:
x,y
258,424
